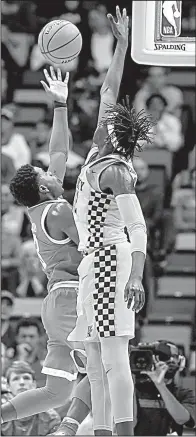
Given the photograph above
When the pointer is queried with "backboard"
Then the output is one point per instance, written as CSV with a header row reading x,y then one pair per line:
x,y
163,33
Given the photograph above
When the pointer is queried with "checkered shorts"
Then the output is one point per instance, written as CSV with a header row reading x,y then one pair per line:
x,y
105,287
97,210
101,309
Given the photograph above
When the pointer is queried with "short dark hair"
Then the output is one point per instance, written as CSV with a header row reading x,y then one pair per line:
x,y
129,128
26,323
19,367
24,186
156,96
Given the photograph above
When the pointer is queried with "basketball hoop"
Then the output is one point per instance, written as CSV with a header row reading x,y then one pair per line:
x,y
158,37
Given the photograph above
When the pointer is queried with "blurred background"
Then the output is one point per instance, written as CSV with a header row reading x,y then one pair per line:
x,y
166,171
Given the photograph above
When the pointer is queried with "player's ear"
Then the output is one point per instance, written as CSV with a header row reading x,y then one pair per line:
x,y
43,189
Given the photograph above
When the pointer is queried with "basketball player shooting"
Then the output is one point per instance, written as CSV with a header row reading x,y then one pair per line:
x,y
112,268
56,239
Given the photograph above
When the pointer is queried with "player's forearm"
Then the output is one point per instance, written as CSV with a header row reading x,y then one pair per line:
x,y
59,142
114,75
138,261
132,216
175,409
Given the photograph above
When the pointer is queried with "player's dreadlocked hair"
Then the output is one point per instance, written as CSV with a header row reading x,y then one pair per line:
x,y
24,186
126,129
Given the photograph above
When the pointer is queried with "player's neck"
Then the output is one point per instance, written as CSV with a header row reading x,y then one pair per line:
x,y
46,198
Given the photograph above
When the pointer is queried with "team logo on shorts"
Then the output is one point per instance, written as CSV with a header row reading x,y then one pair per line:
x,y
170,19
90,330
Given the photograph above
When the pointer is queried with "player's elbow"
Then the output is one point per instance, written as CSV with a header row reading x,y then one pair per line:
x,y
108,94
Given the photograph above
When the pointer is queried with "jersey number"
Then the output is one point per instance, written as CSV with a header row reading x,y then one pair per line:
x,y
38,253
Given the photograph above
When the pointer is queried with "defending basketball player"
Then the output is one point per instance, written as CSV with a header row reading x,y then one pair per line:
x,y
56,241
111,272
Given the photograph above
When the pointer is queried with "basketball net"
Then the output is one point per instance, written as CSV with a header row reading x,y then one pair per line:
x,y
159,35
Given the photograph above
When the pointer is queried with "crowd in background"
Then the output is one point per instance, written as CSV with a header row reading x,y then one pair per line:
x,y
167,209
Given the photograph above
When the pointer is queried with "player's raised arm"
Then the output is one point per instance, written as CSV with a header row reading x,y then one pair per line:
x,y
57,90
110,88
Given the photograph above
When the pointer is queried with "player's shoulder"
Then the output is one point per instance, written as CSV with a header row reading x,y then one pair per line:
x,y
118,176
59,209
117,169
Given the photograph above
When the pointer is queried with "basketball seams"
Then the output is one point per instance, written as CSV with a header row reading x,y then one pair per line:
x,y
60,47
64,25
63,57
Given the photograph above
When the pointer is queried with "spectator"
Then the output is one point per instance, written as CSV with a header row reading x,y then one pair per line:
x,y
32,282
168,130
10,245
102,40
39,139
14,217
159,221
4,364
7,169
151,200
29,347
13,144
4,83
85,108
15,50
150,197
7,331
156,83
184,205
21,377
162,406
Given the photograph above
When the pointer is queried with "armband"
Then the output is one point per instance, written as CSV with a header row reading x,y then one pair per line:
x,y
60,105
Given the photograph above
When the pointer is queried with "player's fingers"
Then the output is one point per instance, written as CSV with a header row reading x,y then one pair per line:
x,y
53,75
47,76
66,80
45,85
59,75
142,300
111,19
127,22
136,301
124,14
130,298
118,14
126,293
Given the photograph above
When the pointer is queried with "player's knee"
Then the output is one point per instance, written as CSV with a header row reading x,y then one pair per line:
x,y
94,373
58,392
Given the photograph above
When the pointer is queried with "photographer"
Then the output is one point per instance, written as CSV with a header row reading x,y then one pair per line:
x,y
162,406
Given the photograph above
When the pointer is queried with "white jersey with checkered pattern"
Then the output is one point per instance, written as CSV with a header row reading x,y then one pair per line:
x,y
96,214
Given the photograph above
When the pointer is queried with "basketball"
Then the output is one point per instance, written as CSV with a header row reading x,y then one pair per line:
x,y
60,41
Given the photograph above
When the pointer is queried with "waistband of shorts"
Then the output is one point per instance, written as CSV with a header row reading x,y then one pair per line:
x,y
64,284
93,250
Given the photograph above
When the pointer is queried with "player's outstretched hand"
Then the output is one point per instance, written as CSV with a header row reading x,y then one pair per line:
x,y
57,89
134,290
120,25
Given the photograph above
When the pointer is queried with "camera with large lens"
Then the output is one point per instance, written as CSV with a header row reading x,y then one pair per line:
x,y
141,358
